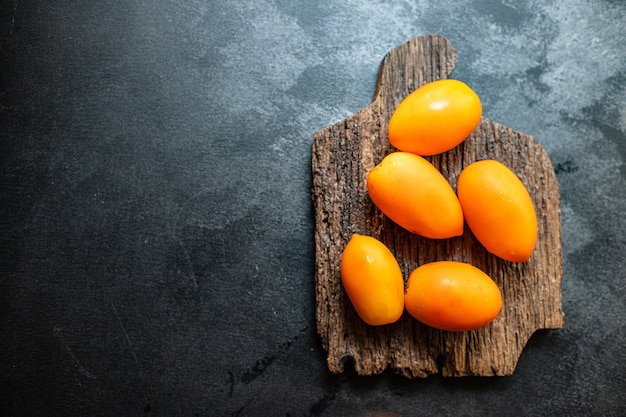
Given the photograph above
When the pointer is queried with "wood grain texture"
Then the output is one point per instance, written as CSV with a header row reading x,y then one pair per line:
x,y
342,156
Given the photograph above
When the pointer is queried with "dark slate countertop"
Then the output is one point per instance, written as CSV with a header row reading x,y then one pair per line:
x,y
156,224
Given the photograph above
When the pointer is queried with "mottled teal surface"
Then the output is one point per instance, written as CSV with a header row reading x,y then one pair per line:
x,y
156,227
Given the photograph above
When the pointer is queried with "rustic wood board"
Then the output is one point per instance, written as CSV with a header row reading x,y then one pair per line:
x,y
342,156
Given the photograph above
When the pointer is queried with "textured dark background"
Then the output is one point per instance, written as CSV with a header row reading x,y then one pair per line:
x,y
156,223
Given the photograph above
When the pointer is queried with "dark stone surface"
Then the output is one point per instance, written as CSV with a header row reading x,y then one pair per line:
x,y
156,232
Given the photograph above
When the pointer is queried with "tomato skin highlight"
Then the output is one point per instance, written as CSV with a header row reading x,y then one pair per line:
x,y
415,195
452,296
373,280
435,118
498,210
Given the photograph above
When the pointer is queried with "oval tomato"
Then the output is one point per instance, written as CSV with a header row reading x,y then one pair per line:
x,y
498,210
435,118
373,280
452,296
413,193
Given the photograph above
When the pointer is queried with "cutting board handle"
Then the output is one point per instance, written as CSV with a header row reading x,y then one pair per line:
x,y
416,62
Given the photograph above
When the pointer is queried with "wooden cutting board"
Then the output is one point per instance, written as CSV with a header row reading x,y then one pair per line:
x,y
342,156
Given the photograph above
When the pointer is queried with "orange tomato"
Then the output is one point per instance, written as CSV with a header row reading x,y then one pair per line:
x,y
452,296
498,210
373,280
435,118
411,192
